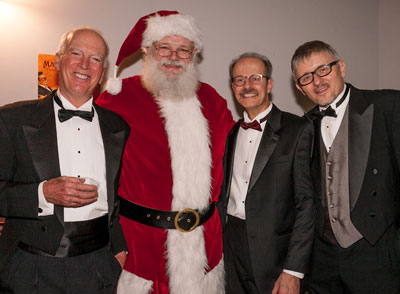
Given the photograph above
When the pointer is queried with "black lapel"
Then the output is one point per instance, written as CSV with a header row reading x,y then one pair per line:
x,y
41,139
230,157
361,114
113,140
269,140
317,166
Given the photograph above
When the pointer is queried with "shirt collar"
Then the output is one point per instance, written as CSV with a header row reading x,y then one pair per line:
x,y
87,106
259,116
333,104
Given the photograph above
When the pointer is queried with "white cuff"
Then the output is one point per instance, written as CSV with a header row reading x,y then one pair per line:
x,y
296,274
45,208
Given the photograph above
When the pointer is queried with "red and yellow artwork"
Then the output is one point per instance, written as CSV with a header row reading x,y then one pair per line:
x,y
47,75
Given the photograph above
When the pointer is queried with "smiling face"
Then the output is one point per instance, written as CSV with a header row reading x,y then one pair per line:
x,y
81,66
322,90
254,98
172,65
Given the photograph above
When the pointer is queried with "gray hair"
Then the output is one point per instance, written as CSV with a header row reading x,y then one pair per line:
x,y
67,37
309,48
267,63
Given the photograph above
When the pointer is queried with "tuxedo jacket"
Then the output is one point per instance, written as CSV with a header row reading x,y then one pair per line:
x,y
374,163
280,199
28,156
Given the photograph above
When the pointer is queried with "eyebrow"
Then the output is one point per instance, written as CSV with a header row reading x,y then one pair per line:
x,y
79,49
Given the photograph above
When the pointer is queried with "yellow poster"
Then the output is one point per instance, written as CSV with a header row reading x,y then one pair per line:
x,y
47,75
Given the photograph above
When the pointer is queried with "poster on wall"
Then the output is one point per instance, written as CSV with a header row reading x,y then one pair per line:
x,y
47,75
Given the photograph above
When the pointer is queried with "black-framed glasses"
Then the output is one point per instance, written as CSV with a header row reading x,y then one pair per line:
x,y
255,79
321,71
166,51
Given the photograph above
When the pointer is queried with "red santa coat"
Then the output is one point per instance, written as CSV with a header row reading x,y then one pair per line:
x,y
147,179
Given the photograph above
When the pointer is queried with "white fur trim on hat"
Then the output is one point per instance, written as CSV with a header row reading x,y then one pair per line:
x,y
182,25
114,85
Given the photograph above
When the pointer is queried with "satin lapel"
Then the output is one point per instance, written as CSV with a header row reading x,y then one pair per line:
x,y
41,140
113,140
361,115
230,156
269,140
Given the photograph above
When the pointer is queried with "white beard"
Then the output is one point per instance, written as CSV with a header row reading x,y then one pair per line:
x,y
181,86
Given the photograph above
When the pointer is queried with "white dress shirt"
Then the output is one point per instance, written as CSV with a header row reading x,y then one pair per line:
x,y
330,125
247,143
81,154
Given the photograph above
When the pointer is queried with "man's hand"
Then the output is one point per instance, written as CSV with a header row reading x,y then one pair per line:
x,y
121,257
69,192
286,284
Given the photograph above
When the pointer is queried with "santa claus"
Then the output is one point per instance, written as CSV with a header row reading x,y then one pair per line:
x,y
172,164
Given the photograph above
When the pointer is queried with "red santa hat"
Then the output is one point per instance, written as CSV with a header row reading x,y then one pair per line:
x,y
152,28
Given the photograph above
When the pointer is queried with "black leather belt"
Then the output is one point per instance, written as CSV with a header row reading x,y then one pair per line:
x,y
185,220
79,238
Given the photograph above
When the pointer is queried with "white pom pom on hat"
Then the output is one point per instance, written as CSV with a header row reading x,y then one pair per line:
x,y
149,29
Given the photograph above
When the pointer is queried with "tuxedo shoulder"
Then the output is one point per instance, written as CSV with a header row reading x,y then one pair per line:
x,y
288,118
378,95
16,108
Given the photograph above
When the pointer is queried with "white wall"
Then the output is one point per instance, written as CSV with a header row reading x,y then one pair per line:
x,y
230,27
389,44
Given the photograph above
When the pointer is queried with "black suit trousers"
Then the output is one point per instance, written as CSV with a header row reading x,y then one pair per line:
x,y
358,269
92,273
238,268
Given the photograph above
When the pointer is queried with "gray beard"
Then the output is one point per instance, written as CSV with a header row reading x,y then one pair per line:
x,y
181,86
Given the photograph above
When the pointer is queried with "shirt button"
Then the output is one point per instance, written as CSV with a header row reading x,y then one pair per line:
x,y
373,193
331,205
40,210
372,214
329,178
79,151
329,163
375,171
333,220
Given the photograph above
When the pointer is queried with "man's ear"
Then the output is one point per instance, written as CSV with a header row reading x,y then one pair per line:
x,y
145,50
342,68
300,89
57,62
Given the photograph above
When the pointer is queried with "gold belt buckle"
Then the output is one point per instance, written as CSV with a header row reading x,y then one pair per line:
x,y
176,220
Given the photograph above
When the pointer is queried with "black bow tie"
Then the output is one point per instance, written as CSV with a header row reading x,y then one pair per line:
x,y
327,112
255,125
319,114
66,114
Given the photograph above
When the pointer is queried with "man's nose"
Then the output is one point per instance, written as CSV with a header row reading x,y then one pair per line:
x,y
174,55
316,79
84,63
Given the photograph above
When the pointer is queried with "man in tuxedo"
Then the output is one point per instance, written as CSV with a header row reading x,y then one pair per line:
x,y
43,88
355,169
60,161
267,198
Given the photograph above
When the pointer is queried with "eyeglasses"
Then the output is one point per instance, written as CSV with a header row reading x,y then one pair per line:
x,y
166,51
321,71
255,79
